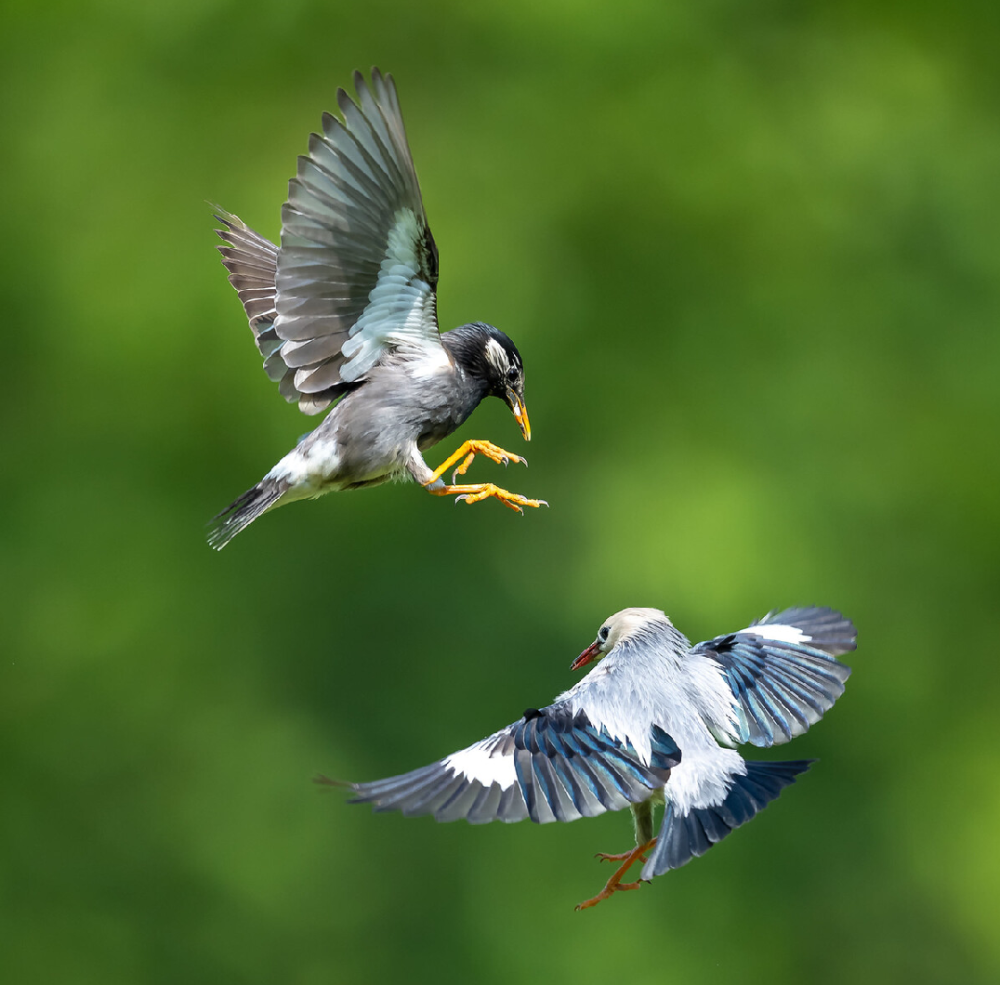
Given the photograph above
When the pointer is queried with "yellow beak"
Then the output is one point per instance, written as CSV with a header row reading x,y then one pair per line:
x,y
520,414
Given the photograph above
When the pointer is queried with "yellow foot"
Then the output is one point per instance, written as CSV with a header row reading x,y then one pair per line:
x,y
484,490
468,451
614,884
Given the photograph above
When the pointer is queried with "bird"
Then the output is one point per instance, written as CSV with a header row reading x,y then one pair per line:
x,y
344,312
655,722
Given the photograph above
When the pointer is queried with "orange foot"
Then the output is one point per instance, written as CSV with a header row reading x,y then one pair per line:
x,y
484,490
468,451
480,490
615,882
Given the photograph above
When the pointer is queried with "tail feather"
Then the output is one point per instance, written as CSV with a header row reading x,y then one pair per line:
x,y
681,838
244,510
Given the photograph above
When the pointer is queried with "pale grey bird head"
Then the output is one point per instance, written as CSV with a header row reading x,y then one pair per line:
x,y
624,626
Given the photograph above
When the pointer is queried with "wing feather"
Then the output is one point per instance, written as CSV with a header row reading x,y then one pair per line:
x,y
782,672
356,273
549,766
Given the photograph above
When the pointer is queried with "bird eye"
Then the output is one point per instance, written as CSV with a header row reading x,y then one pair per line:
x,y
512,373
602,634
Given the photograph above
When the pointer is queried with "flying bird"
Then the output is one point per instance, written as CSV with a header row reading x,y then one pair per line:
x,y
345,311
655,722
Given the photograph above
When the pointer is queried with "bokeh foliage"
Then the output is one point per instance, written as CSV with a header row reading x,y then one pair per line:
x,y
749,252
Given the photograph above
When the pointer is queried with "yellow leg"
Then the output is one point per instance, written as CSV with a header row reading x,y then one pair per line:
x,y
468,451
484,490
614,884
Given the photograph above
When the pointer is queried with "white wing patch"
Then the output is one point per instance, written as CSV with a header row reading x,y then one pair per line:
x,y
477,763
400,307
782,634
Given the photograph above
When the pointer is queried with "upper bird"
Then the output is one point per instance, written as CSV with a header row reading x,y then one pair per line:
x,y
345,309
653,723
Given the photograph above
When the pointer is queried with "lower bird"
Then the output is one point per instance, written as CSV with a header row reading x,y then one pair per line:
x,y
655,722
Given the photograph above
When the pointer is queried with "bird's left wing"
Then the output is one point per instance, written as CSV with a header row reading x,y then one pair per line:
x,y
782,671
551,765
357,270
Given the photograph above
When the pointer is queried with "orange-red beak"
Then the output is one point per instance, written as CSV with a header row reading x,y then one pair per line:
x,y
588,656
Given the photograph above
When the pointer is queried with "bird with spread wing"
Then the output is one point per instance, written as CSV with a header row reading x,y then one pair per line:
x,y
655,722
344,312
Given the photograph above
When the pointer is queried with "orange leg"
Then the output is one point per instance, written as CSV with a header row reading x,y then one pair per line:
x,y
468,451
477,491
614,884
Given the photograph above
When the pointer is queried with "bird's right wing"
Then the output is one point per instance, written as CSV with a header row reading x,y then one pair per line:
x,y
782,672
549,766
357,270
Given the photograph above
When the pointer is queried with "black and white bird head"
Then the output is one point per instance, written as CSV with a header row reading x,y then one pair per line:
x,y
488,355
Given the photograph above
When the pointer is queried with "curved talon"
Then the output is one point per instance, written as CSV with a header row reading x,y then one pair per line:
x,y
461,469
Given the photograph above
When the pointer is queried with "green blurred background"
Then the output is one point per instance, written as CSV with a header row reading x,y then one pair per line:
x,y
749,252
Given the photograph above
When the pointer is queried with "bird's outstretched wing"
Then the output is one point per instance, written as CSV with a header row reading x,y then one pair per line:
x,y
549,766
357,269
782,671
